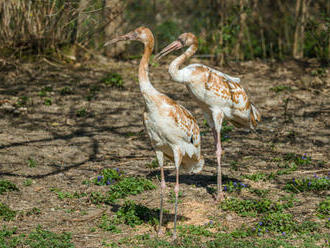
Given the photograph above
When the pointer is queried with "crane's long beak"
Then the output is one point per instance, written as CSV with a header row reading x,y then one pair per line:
x,y
175,45
128,36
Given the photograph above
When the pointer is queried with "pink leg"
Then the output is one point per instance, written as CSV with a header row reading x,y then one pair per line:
x,y
162,189
220,195
177,161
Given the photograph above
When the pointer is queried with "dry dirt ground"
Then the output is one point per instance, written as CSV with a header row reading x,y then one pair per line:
x,y
95,126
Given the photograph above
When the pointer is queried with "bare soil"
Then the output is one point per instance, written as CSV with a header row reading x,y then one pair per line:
x,y
69,148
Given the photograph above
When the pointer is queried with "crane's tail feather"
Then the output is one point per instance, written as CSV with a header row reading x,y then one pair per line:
x,y
255,116
193,166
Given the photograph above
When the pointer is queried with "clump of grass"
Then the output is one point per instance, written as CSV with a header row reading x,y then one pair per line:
x,y
48,101
251,207
109,224
62,195
283,223
32,163
28,182
81,112
92,92
66,91
9,239
6,186
299,160
280,88
260,192
324,208
128,186
153,164
133,214
108,177
22,101
6,213
310,184
33,211
44,238
120,186
44,91
225,130
233,186
257,176
113,79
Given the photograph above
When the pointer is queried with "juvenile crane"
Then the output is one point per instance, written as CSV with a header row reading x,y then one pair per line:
x,y
220,96
172,129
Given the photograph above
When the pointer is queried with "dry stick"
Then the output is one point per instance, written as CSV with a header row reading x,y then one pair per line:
x,y
315,171
87,218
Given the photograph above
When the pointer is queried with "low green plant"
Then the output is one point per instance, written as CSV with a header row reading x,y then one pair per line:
x,y
81,112
66,91
324,208
153,164
6,186
225,130
128,186
33,211
22,101
310,184
298,159
44,238
27,182
62,195
113,79
251,207
133,214
48,101
6,213
44,91
256,177
109,224
108,177
260,192
9,238
280,88
124,187
233,186
32,163
172,197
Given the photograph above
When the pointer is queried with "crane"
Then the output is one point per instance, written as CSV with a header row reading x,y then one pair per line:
x,y
219,95
172,129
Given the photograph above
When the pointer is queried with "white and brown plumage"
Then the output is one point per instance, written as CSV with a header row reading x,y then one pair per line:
x,y
172,129
219,95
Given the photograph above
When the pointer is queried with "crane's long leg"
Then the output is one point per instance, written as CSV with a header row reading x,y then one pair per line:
x,y
177,160
218,118
160,158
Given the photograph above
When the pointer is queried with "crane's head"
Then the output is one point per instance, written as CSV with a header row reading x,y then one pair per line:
x,y
185,39
141,34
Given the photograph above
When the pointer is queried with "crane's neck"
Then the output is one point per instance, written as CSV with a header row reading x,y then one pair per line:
x,y
145,84
175,65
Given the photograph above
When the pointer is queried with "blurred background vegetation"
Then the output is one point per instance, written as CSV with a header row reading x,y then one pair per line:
x,y
227,29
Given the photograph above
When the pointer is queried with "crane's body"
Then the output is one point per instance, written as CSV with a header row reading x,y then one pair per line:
x,y
218,94
172,129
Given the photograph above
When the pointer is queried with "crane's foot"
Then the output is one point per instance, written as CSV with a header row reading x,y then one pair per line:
x,y
220,197
161,232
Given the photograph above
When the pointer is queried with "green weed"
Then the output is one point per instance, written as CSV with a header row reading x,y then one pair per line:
x,y
43,92
153,164
324,208
133,214
32,163
44,238
92,92
172,197
33,211
260,192
113,80
225,130
108,177
280,88
251,207
48,101
257,176
22,101
6,213
66,91
27,182
310,184
63,195
109,224
9,239
124,187
81,112
6,186
299,160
